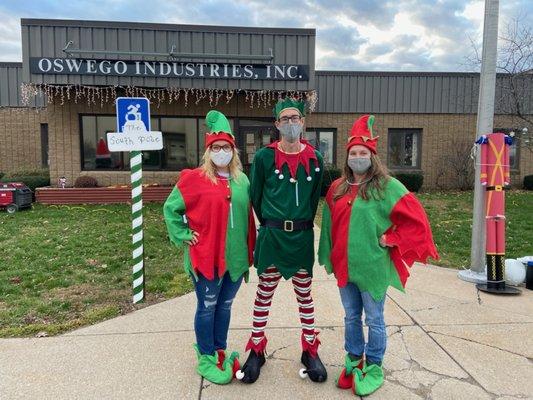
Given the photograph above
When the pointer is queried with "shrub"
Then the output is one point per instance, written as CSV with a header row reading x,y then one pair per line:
x,y
330,175
31,178
1,175
528,182
85,181
413,182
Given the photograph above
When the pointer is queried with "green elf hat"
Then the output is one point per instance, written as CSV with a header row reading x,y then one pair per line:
x,y
219,128
289,103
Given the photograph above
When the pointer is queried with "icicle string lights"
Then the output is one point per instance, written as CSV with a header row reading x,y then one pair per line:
x,y
101,95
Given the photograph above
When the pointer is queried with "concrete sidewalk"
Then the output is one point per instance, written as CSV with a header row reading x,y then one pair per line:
x,y
446,341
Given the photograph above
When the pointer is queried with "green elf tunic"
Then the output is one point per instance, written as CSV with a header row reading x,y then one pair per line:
x,y
285,187
351,228
221,214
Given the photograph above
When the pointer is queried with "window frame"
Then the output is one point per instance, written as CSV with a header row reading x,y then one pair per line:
x,y
418,166
317,131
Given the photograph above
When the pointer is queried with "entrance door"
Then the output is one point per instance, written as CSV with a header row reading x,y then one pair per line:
x,y
252,138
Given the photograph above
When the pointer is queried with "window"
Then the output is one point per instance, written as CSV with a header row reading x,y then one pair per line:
x,y
404,148
513,149
44,146
180,144
324,141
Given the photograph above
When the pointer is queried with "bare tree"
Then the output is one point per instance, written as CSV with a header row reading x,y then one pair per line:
x,y
514,86
456,167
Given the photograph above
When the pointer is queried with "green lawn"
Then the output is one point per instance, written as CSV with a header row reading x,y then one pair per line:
x,y
63,267
450,214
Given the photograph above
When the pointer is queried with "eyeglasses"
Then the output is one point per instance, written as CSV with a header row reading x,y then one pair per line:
x,y
216,148
293,118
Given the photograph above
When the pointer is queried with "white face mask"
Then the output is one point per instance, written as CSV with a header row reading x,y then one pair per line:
x,y
221,159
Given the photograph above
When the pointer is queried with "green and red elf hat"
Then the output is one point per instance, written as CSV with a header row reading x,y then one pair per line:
x,y
289,103
361,134
219,129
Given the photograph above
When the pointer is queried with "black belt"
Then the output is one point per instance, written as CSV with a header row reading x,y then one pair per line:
x,y
497,188
288,225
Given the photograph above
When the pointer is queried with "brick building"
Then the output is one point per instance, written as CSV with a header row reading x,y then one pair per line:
x,y
58,103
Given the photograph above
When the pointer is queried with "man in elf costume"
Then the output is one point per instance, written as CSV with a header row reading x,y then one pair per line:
x,y
209,210
286,178
373,230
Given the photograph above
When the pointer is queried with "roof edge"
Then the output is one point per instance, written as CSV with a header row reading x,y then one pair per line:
x,y
166,27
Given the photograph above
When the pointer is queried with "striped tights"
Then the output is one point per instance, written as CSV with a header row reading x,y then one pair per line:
x,y
268,282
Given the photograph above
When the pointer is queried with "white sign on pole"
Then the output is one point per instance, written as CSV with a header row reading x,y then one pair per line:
x,y
132,133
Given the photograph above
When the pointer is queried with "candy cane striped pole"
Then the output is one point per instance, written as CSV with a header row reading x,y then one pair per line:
x,y
137,226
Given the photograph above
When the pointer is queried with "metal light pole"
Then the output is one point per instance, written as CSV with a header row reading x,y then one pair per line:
x,y
485,119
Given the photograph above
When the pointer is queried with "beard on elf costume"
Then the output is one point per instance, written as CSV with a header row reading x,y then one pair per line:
x,y
209,211
285,190
373,230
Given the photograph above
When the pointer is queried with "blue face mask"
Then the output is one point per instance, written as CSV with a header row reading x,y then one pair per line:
x,y
291,132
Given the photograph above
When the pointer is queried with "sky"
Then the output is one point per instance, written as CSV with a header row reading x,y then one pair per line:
x,y
353,35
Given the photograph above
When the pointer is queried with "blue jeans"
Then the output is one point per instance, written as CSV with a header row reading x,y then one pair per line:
x,y
354,302
213,312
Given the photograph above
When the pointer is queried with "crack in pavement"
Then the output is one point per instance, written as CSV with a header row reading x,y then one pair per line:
x,y
480,343
479,301
472,379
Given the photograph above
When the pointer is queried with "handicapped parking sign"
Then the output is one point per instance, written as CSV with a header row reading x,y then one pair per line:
x,y
133,127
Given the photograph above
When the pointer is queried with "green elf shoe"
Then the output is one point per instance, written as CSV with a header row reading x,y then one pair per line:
x,y
368,380
346,377
207,367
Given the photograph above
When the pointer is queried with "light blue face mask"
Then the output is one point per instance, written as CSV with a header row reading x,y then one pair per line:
x,y
291,132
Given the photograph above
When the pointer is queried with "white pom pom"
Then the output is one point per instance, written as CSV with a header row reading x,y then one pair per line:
x,y
292,180
280,176
239,375
515,272
276,171
303,373
317,169
309,178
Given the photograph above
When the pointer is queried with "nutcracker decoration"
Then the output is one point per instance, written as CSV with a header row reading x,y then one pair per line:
x,y
495,178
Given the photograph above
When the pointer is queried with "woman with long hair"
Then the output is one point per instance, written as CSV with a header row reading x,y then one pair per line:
x,y
373,230
209,211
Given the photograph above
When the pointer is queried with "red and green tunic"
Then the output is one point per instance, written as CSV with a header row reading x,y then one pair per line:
x,y
285,187
351,228
221,214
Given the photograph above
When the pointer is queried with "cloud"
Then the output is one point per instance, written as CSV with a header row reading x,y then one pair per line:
x,y
340,39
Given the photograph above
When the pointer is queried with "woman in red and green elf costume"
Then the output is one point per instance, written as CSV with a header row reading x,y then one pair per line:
x,y
209,211
373,230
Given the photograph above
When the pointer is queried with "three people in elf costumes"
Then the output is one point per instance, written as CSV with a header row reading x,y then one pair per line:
x,y
209,211
286,179
373,230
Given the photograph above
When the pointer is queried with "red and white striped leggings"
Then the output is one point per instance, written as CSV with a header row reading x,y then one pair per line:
x,y
268,282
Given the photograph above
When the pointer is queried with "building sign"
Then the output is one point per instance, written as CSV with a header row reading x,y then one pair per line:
x,y
168,69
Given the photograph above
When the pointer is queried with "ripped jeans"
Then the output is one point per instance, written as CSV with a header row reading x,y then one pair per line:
x,y
213,312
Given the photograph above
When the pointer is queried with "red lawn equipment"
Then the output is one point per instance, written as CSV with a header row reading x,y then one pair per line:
x,y
15,196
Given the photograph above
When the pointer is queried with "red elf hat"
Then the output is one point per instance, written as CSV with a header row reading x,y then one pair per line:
x,y
101,149
361,134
